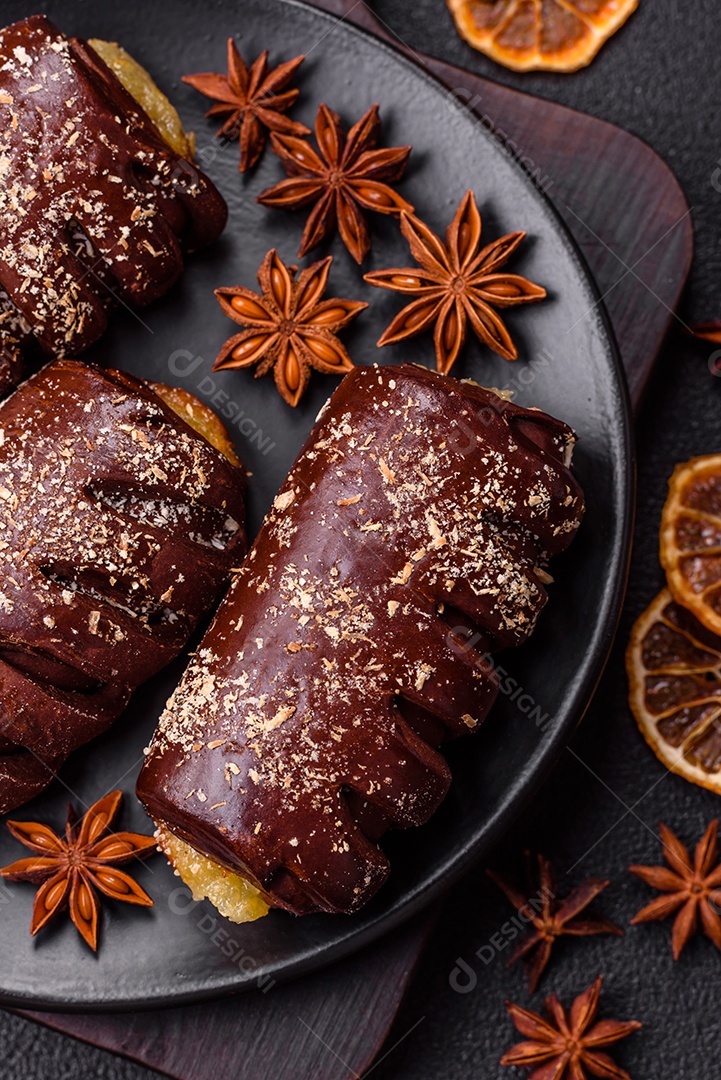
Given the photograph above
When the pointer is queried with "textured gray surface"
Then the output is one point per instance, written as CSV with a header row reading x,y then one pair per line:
x,y
658,78
32,1052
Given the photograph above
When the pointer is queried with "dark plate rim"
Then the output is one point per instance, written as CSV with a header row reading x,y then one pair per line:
x,y
567,719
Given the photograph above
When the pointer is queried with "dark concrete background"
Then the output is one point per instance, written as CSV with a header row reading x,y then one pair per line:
x,y
659,78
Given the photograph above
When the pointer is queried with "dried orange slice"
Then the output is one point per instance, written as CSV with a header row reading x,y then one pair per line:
x,y
691,538
540,35
674,674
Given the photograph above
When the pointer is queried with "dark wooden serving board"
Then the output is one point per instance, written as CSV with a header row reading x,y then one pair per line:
x,y
630,218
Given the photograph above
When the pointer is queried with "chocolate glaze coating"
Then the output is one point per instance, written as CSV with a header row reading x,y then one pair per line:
x,y
119,525
308,722
93,203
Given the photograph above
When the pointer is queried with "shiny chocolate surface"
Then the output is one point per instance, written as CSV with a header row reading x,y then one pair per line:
x,y
416,524
118,527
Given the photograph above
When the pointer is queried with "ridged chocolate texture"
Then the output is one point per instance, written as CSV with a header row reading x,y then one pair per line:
x,y
119,525
420,508
93,203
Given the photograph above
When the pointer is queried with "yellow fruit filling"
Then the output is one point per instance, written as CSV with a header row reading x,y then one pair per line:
x,y
232,894
152,101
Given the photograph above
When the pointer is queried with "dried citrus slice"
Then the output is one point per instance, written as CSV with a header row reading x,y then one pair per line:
x,y
691,538
540,35
674,674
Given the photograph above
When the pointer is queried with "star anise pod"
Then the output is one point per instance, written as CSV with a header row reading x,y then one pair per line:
x,y
710,330
693,889
568,1046
290,328
456,283
71,871
250,101
344,177
552,918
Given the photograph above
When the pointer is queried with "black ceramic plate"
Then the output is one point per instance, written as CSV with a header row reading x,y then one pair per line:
x,y
179,951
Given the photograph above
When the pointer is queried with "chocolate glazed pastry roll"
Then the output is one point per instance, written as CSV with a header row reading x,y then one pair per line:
x,y
309,721
119,525
94,204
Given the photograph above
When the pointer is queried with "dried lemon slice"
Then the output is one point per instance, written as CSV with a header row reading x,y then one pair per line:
x,y
540,35
151,100
691,538
674,673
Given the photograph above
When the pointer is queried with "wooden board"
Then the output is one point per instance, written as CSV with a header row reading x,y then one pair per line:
x,y
327,1026
631,220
